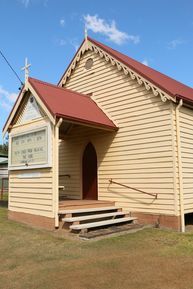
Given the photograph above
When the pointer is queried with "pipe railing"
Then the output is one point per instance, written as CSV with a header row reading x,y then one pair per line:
x,y
129,187
66,175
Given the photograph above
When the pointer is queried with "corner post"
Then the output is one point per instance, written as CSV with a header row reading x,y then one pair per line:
x,y
56,170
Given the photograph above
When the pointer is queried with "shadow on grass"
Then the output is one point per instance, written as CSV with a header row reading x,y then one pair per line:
x,y
4,203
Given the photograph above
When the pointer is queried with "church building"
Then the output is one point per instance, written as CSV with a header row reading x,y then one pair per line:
x,y
112,133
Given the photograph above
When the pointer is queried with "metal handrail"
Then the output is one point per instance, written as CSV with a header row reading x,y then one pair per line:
x,y
66,175
151,194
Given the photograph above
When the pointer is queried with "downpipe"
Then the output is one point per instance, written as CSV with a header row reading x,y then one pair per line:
x,y
180,165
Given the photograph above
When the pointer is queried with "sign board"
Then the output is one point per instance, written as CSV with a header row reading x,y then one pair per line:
x,y
30,149
29,175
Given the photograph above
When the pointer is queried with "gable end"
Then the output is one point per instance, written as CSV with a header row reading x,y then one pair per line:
x,y
88,45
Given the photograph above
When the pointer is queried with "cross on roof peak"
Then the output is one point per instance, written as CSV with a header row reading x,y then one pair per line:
x,y
85,32
26,68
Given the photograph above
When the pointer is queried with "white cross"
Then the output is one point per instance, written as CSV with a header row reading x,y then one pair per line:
x,y
85,32
26,68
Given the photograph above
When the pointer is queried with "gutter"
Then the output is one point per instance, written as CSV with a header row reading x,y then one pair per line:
x,y
180,165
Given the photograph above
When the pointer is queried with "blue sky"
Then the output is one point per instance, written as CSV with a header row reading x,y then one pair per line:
x,y
158,33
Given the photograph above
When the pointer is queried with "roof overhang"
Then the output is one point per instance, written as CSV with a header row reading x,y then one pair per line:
x,y
80,109
88,123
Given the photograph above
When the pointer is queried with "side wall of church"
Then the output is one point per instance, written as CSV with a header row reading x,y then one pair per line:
x,y
141,154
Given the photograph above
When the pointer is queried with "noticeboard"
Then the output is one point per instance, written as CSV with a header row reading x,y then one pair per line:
x,y
30,149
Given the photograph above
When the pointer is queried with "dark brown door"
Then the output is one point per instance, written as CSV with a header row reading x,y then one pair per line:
x,y
89,173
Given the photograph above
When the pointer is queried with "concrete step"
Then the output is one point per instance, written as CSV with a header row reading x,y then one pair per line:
x,y
102,223
88,210
95,216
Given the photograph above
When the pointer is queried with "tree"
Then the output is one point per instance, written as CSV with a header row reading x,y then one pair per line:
x,y
4,147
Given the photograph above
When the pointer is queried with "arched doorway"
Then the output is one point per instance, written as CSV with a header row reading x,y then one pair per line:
x,y
89,173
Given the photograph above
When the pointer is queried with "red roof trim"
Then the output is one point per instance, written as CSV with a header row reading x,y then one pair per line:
x,y
108,50
55,112
164,82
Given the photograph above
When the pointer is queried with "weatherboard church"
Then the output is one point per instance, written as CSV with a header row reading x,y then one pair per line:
x,y
114,137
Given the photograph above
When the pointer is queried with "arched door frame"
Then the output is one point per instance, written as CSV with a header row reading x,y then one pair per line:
x,y
89,173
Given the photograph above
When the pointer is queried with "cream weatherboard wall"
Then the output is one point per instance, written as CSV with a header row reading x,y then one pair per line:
x,y
141,154
71,150
31,191
186,137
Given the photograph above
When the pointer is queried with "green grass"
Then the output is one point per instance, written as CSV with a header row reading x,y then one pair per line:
x,y
36,259
5,196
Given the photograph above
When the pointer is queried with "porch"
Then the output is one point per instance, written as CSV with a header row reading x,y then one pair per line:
x,y
91,218
70,204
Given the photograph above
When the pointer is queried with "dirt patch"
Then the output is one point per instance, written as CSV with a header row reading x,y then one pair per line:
x,y
109,231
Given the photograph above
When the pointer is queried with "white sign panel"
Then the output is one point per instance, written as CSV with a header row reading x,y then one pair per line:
x,y
29,175
30,149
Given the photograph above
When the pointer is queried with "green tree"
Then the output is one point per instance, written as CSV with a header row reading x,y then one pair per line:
x,y
4,147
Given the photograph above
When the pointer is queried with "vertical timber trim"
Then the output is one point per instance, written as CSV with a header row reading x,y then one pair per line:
x,y
180,165
56,170
9,154
173,127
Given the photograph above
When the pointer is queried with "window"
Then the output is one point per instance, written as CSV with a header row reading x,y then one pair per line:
x,y
89,63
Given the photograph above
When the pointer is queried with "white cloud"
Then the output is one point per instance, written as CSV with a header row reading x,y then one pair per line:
x,y
12,96
7,98
62,22
25,2
3,92
45,3
174,43
99,25
5,105
145,62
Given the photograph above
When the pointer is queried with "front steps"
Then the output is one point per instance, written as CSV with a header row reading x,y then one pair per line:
x,y
85,220
78,204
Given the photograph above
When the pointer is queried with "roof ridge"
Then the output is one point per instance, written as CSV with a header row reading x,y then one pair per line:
x,y
58,87
43,82
115,53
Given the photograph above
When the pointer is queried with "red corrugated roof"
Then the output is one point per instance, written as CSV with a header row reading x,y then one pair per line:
x,y
166,83
70,105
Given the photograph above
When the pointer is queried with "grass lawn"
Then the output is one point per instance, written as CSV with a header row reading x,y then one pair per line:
x,y
151,258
